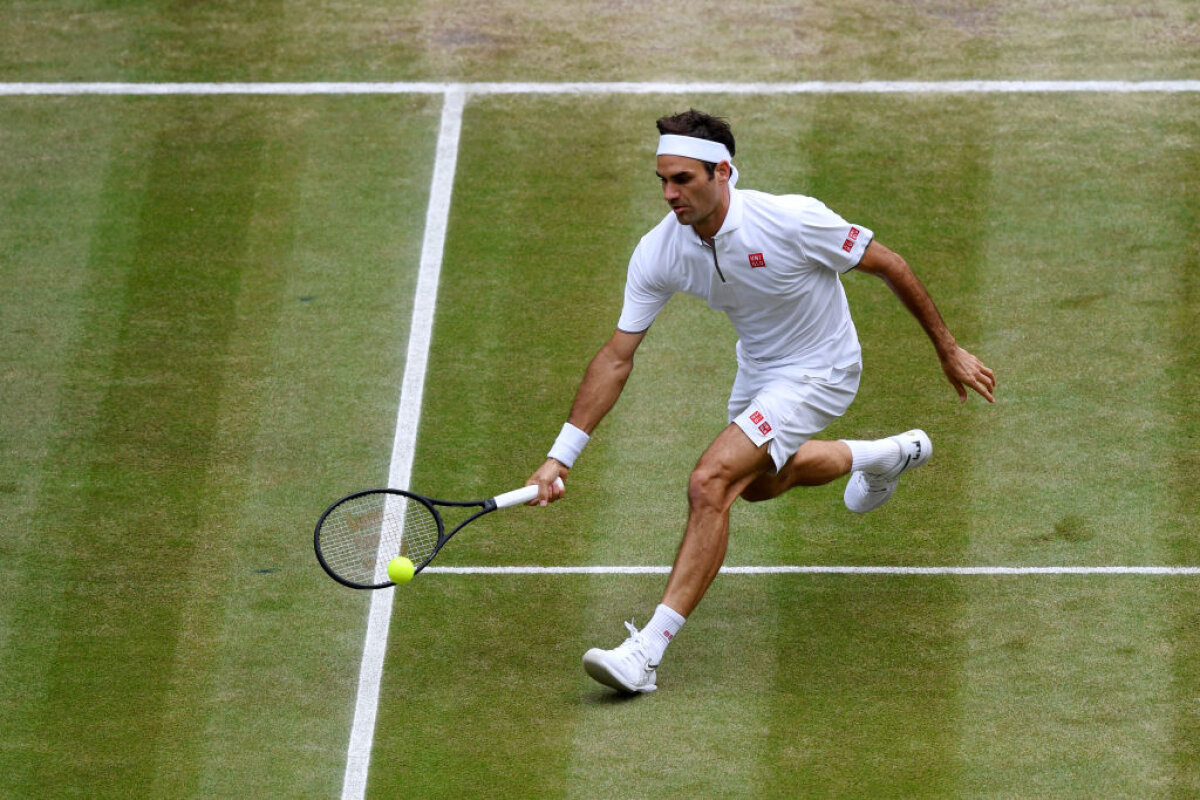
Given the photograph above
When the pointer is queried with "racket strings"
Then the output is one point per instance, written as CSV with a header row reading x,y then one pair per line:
x,y
361,535
418,536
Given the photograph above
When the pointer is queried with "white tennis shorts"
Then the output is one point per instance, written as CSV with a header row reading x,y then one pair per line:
x,y
787,405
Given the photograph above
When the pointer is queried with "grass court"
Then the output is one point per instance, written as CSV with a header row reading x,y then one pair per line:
x,y
205,306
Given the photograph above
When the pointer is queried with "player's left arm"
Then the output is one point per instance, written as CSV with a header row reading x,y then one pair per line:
x,y
961,367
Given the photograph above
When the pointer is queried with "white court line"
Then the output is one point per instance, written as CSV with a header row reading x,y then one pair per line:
x,y
568,88
362,733
816,570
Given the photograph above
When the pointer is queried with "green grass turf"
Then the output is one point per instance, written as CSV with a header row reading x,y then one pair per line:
x,y
183,412
817,687
218,318
203,305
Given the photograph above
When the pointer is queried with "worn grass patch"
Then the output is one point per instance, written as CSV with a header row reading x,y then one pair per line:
x,y
592,40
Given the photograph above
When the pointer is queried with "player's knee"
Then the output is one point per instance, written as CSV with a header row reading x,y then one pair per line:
x,y
707,488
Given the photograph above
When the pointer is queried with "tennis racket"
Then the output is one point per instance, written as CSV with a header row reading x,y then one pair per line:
x,y
358,535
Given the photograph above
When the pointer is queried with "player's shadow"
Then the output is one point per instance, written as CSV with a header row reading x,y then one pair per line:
x,y
607,697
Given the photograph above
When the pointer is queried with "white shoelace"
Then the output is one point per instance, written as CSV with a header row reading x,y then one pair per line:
x,y
633,649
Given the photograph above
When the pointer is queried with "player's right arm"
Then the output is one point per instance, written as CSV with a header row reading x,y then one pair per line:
x,y
601,386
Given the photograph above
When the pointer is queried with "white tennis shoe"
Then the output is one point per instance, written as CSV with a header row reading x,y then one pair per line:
x,y
627,667
867,491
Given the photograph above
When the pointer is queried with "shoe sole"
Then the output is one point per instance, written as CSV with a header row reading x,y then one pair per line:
x,y
597,668
867,500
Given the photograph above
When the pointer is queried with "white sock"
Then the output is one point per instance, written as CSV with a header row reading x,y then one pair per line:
x,y
873,456
661,629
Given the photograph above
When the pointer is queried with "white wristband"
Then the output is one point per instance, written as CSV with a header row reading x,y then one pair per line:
x,y
568,445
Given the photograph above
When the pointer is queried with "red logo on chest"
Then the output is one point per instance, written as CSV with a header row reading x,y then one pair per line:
x,y
757,260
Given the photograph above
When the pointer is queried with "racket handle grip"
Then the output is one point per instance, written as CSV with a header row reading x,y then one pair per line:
x,y
521,496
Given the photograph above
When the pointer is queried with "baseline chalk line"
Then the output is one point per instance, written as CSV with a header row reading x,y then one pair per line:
x,y
64,88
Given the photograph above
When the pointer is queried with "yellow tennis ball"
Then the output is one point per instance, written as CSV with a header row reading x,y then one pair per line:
x,y
400,570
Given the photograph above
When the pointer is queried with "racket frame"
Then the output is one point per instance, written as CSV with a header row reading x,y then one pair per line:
x,y
430,503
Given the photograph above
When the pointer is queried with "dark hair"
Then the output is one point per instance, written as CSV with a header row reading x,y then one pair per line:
x,y
702,126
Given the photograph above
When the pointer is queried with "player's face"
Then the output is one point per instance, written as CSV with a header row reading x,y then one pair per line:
x,y
695,198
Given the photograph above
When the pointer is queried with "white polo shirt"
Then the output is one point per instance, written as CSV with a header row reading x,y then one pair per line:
x,y
773,270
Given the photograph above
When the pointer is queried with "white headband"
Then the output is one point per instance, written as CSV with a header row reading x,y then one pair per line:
x,y
699,149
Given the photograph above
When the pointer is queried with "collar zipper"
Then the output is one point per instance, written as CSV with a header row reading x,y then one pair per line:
x,y
716,263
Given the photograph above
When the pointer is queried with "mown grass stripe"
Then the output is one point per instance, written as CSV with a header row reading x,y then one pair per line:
x,y
132,472
1070,468
1181,387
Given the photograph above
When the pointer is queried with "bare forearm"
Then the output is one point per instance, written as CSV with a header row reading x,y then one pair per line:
x,y
962,368
912,293
602,384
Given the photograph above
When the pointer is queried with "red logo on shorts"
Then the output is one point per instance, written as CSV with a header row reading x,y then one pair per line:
x,y
764,427
757,260
848,245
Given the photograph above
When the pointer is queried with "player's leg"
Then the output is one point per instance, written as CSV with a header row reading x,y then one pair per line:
x,y
730,463
798,409
724,471
816,463
874,466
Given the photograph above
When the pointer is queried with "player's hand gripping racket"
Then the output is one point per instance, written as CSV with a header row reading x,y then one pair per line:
x,y
358,535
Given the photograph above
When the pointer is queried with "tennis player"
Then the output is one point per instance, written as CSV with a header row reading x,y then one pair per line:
x,y
773,265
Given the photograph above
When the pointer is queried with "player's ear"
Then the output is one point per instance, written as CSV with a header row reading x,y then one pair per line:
x,y
723,171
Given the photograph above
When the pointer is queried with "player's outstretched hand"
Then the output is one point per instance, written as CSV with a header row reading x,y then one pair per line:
x,y
965,370
549,479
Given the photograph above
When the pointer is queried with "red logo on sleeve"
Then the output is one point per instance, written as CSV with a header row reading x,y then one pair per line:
x,y
757,260
765,428
851,238
756,417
